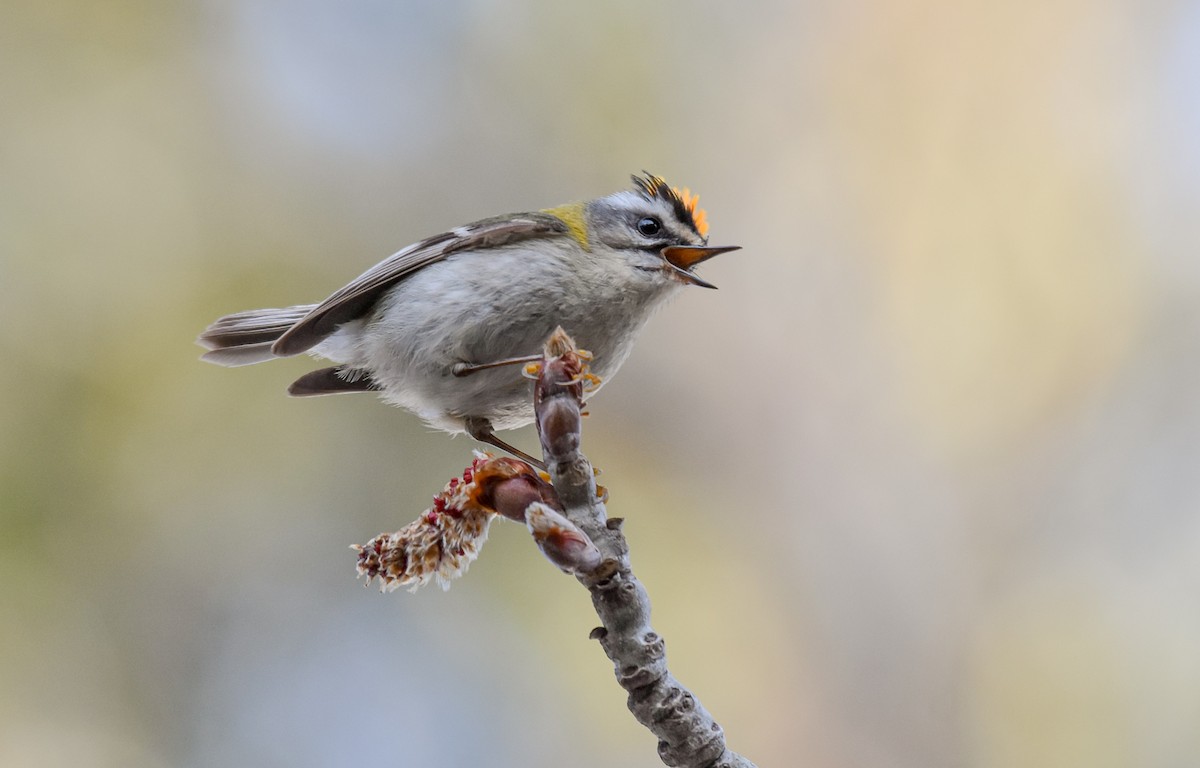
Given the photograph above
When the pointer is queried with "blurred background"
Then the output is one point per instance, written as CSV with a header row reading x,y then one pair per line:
x,y
917,487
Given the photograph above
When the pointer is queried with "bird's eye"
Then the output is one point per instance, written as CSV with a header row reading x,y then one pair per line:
x,y
649,226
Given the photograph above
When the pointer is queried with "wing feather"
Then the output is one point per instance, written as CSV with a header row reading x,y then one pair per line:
x,y
360,295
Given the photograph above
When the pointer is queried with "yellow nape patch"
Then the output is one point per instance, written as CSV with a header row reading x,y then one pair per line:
x,y
571,214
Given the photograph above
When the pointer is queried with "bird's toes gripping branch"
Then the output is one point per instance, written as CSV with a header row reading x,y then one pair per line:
x,y
441,544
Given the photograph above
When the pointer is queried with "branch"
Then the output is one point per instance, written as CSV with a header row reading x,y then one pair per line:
x,y
570,526
688,735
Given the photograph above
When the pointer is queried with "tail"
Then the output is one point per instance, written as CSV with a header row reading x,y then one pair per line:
x,y
245,338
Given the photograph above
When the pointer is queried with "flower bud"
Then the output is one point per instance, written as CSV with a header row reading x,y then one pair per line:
x,y
560,540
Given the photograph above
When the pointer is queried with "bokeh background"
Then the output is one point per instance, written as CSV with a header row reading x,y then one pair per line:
x,y
917,487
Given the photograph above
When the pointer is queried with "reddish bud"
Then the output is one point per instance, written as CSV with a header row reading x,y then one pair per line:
x,y
560,540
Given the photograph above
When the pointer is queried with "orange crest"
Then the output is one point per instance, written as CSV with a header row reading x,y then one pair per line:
x,y
699,215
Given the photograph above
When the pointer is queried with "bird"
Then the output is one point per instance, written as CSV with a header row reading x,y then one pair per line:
x,y
441,327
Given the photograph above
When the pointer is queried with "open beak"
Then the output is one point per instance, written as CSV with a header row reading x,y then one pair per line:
x,y
681,259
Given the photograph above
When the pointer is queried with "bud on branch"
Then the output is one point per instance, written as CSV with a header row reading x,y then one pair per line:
x,y
560,540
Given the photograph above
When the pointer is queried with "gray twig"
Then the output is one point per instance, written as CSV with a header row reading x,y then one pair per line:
x,y
688,735
569,523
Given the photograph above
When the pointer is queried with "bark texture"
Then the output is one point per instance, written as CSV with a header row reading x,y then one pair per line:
x,y
687,734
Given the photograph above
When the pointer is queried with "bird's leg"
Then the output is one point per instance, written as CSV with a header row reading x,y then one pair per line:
x,y
481,430
466,369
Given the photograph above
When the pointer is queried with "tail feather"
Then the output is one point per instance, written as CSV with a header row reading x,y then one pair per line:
x,y
244,338
248,354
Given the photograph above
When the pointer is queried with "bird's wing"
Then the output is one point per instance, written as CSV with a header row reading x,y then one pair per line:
x,y
362,293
